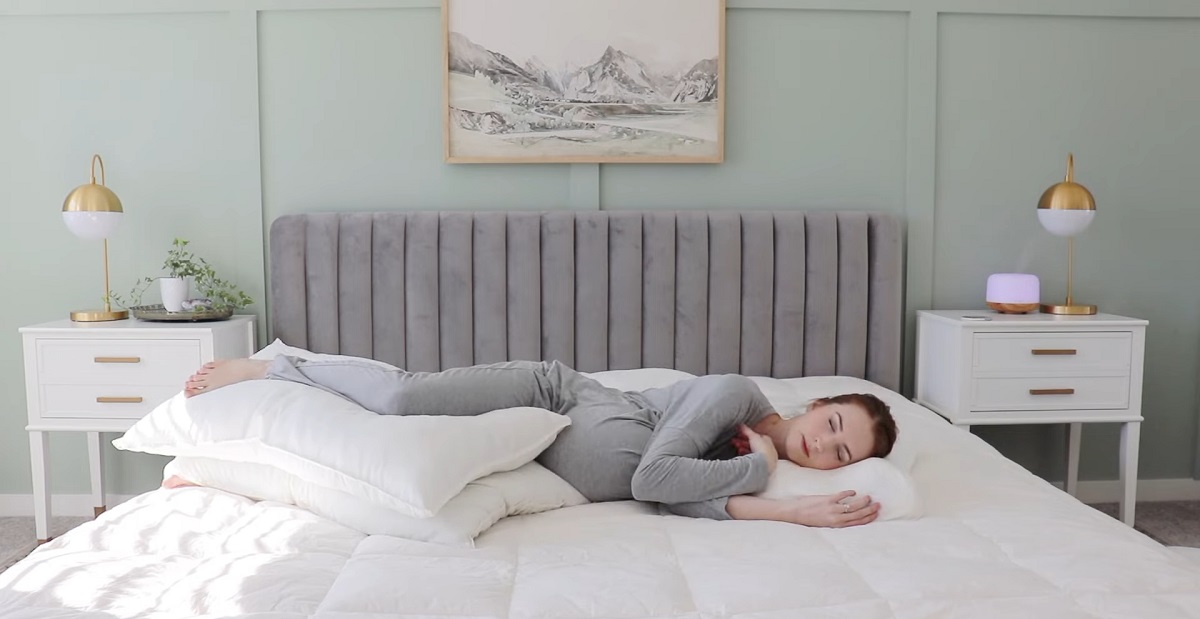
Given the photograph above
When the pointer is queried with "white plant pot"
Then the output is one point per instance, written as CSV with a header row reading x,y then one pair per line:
x,y
174,291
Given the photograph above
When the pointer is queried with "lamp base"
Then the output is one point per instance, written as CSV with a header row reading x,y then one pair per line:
x,y
1068,310
99,315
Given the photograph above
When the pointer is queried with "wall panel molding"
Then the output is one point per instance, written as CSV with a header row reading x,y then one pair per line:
x,y
1163,9
920,177
245,27
1077,8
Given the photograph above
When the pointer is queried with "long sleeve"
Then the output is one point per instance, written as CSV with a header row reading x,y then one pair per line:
x,y
672,471
697,415
712,509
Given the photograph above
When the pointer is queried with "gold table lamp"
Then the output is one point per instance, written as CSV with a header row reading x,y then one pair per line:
x,y
91,212
1066,209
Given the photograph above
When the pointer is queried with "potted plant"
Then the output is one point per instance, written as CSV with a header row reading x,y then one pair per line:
x,y
181,265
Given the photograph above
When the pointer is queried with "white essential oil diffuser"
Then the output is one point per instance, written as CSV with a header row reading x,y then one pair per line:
x,y
1013,293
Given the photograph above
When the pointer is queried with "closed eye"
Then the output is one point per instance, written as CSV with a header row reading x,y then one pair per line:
x,y
843,453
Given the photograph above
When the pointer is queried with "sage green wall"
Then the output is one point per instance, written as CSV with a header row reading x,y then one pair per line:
x,y
168,100
953,115
1014,93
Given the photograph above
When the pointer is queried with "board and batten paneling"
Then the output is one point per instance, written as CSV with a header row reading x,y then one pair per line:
x,y
216,116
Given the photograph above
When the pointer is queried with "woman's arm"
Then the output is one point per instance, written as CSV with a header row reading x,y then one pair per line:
x,y
696,415
815,511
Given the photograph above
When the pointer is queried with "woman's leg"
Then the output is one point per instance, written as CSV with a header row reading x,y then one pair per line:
x,y
459,391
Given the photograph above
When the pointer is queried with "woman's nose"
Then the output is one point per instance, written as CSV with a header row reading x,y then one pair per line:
x,y
817,444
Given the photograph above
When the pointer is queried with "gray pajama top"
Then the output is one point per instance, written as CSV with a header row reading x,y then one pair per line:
x,y
669,445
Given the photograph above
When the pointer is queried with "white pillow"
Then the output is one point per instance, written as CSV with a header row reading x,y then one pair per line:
x,y
639,379
886,484
527,490
278,348
410,464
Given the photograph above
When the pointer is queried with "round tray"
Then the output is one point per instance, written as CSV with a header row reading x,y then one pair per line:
x,y
158,313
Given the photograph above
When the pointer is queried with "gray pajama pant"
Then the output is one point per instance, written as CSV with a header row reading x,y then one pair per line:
x,y
668,445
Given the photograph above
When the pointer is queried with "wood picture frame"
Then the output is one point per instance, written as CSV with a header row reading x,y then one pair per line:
x,y
584,81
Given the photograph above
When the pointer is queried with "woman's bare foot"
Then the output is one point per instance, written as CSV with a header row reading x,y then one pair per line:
x,y
176,481
217,374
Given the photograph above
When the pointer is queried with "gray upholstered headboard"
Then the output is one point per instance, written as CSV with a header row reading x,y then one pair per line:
x,y
785,294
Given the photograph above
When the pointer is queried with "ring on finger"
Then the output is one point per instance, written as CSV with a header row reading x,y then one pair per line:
x,y
845,508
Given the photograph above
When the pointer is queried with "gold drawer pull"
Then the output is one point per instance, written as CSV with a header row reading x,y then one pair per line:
x,y
1053,351
118,359
1051,392
119,400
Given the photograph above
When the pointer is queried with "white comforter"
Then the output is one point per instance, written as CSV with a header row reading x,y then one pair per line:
x,y
996,541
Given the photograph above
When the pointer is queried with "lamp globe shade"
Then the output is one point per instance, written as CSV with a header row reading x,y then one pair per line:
x,y
1066,208
1065,223
92,211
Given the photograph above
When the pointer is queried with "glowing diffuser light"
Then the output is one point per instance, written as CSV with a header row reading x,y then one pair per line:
x,y
93,212
1066,209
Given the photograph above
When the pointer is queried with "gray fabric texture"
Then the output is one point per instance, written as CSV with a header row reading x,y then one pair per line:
x,y
773,293
669,445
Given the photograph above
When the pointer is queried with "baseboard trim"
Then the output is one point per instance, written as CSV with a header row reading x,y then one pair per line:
x,y
1109,490
60,504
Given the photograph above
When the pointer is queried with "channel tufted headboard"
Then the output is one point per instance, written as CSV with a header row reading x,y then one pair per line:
x,y
784,294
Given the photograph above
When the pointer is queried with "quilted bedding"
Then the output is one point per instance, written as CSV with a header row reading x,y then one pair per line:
x,y
995,541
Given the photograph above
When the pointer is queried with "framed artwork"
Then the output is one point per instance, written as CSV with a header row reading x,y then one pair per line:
x,y
584,81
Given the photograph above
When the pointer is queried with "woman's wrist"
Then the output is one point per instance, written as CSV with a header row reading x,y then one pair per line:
x,y
747,507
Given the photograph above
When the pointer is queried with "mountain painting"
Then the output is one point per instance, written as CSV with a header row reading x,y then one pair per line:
x,y
584,80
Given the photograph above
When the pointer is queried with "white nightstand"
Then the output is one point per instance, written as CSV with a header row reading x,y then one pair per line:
x,y
104,376
1037,368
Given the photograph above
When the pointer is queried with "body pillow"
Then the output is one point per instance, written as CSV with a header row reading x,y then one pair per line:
x,y
412,465
527,490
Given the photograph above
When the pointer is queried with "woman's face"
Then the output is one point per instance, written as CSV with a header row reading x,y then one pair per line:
x,y
830,435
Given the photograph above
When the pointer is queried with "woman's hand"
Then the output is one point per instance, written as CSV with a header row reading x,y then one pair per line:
x,y
814,511
760,444
832,510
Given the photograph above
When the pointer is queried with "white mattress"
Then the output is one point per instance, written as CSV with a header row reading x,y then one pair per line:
x,y
996,541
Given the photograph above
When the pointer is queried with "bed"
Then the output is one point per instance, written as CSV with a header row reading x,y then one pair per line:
x,y
806,303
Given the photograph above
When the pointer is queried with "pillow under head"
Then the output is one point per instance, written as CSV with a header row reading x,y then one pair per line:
x,y
883,481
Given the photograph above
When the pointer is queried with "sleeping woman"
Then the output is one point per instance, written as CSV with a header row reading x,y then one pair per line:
x,y
701,447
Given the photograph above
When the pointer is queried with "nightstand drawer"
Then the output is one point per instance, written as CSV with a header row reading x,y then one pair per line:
x,y
104,401
1051,393
1039,354
117,362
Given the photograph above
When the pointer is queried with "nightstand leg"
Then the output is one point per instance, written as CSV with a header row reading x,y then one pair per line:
x,y
96,466
39,448
1074,430
1130,436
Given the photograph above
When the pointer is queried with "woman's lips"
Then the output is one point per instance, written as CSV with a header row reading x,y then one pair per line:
x,y
804,444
